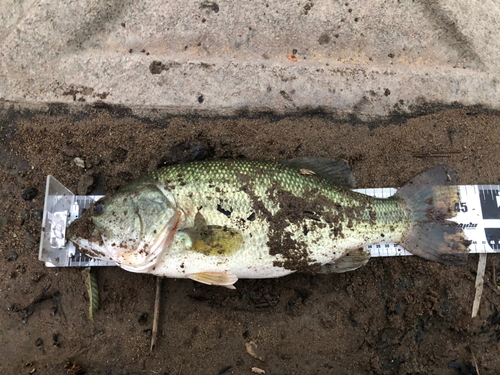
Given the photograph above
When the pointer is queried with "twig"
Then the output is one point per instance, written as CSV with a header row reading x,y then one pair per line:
x,y
180,370
156,313
494,274
474,359
481,267
436,154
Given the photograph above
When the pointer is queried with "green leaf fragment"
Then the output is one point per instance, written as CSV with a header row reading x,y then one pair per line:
x,y
93,292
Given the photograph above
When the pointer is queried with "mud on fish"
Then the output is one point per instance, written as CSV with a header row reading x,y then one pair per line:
x,y
218,221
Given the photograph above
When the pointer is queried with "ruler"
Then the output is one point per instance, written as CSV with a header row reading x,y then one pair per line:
x,y
478,213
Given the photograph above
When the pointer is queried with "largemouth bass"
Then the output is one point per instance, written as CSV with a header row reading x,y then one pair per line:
x,y
218,221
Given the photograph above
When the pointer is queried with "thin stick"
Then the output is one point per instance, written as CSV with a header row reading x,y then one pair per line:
x,y
481,267
157,313
436,154
474,359
494,273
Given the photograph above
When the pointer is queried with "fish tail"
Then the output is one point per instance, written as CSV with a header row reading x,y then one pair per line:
x,y
431,198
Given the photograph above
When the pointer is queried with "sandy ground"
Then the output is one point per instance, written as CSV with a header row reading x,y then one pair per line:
x,y
393,316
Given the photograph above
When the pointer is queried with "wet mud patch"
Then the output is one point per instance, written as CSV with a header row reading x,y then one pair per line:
x,y
392,316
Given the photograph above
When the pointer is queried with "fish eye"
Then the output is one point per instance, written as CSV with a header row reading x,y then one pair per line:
x,y
98,208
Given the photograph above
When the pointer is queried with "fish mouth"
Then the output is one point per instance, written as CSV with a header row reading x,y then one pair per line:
x,y
125,257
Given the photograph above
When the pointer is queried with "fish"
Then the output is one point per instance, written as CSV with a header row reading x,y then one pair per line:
x,y
219,221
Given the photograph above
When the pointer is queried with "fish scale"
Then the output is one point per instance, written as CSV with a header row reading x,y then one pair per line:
x,y
223,185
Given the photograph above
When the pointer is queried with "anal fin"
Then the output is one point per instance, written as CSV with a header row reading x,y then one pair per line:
x,y
349,262
225,279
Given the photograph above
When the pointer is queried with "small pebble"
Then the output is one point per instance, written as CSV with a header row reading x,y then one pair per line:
x,y
85,184
30,241
25,215
38,214
143,319
79,162
11,256
29,193
68,151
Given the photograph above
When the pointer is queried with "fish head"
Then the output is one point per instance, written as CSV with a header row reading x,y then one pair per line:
x,y
131,227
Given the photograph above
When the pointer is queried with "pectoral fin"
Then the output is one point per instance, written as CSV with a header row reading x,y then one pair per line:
x,y
213,239
349,262
225,279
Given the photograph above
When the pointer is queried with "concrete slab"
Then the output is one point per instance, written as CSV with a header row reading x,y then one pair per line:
x,y
368,59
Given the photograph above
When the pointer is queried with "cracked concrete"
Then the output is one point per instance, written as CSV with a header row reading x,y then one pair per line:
x,y
222,57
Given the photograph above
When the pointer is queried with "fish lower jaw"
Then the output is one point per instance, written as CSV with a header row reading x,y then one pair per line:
x,y
92,249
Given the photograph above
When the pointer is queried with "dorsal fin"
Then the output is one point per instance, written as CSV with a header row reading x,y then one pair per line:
x,y
336,171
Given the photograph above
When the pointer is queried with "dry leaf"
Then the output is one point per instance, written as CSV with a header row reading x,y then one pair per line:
x,y
307,172
93,292
251,347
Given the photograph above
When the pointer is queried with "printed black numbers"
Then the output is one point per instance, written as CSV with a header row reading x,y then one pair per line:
x,y
461,207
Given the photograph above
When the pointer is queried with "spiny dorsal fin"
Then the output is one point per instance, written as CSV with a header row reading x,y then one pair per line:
x,y
337,171
349,262
225,279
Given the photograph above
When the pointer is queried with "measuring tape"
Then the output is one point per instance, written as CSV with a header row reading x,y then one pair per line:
x,y
478,213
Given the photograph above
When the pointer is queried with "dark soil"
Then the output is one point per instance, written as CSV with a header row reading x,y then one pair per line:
x,y
392,316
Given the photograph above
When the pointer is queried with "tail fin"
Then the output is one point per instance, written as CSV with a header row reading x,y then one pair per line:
x,y
431,199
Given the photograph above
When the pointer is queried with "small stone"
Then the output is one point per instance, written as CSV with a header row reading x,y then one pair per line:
x,y
25,215
68,151
29,193
143,319
79,162
30,241
11,256
38,214
85,184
